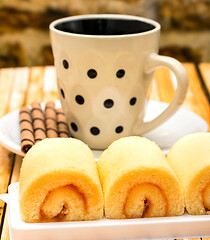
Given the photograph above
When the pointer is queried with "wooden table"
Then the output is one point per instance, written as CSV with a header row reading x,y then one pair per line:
x,y
21,86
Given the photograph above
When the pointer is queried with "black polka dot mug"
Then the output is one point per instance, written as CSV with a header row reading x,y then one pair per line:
x,y
105,64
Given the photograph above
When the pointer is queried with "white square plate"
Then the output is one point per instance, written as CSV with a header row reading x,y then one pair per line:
x,y
185,226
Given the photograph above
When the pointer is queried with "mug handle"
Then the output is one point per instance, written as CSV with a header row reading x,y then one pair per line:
x,y
154,61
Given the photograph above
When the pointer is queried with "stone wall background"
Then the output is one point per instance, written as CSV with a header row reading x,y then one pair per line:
x,y
24,34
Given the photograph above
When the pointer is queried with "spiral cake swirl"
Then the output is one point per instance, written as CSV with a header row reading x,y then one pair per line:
x,y
137,181
190,159
59,182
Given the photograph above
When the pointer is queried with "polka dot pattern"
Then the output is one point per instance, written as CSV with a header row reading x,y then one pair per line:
x,y
62,93
133,101
95,131
108,103
119,129
65,64
120,73
79,99
92,73
74,127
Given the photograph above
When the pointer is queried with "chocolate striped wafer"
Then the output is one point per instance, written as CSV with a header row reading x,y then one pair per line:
x,y
38,122
63,130
26,129
50,120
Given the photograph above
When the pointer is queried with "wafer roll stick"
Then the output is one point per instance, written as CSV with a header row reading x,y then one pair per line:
x,y
38,122
26,129
63,130
50,120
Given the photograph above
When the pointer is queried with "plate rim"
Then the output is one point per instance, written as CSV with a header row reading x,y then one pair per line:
x,y
16,149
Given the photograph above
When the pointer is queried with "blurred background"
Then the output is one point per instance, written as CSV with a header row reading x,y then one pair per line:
x,y
24,26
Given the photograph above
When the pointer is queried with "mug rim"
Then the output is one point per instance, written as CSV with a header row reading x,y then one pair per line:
x,y
106,16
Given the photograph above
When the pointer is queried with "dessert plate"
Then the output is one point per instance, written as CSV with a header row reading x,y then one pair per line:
x,y
183,122
186,226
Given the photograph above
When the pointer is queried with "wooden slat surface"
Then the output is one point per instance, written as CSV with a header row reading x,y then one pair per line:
x,y
6,158
196,99
6,85
165,86
205,71
14,178
49,84
22,86
35,88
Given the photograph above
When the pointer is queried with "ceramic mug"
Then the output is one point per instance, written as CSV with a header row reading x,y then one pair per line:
x,y
105,64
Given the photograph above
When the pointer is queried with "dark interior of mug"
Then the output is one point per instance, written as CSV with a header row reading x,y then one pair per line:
x,y
104,26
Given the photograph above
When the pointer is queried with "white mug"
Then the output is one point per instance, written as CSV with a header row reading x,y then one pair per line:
x,y
105,64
